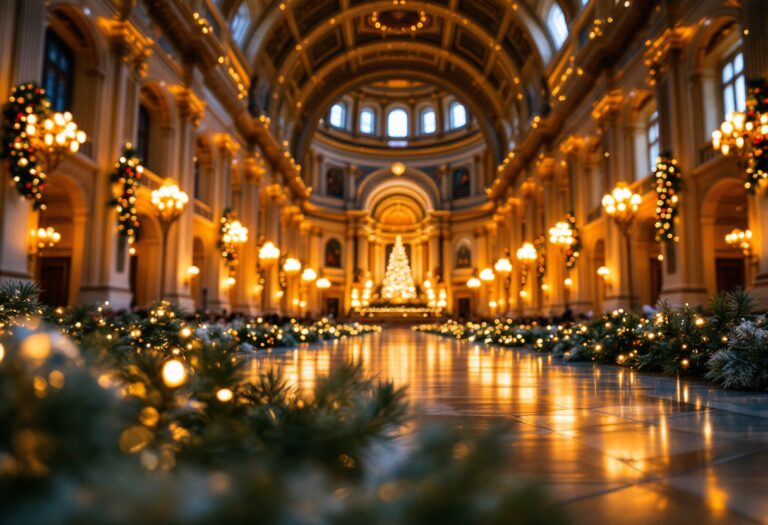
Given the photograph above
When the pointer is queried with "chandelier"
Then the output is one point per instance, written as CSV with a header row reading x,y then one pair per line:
x,y
269,253
53,136
561,234
399,19
745,135
741,239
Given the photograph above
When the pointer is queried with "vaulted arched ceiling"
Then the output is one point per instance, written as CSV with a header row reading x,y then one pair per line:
x,y
493,54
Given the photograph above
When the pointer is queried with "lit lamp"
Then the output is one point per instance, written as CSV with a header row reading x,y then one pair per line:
x,y
309,275
398,168
503,267
741,239
744,135
473,283
292,267
268,253
561,234
487,275
604,273
54,136
526,254
169,202
45,238
234,235
621,205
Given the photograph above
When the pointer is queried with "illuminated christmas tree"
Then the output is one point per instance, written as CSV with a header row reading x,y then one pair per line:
x,y
398,282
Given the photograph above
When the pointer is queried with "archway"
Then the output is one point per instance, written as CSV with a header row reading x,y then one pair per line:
x,y
724,209
58,267
145,263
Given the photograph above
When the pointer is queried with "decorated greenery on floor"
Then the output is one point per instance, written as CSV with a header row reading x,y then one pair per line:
x,y
155,419
727,344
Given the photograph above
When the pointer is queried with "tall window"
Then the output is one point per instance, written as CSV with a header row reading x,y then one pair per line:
x,y
556,24
734,88
338,115
367,119
240,22
428,121
653,140
58,72
197,182
458,115
397,123
142,134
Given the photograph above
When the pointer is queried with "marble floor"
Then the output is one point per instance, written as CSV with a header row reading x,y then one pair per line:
x,y
611,445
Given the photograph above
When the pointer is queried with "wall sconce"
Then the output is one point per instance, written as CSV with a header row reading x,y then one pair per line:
x,y
568,282
604,273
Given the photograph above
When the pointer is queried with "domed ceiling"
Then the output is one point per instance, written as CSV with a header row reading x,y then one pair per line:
x,y
492,54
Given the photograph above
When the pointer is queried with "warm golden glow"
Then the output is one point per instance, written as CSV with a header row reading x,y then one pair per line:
x,y
621,204
487,275
292,266
323,283
503,266
526,253
398,168
474,283
269,253
308,275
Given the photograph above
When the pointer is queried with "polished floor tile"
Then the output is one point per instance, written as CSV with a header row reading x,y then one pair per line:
x,y
611,445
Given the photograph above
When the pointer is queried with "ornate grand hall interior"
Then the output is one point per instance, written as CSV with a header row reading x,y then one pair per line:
x,y
544,215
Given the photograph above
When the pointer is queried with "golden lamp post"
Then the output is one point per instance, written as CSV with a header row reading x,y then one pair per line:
x,y
561,235
526,254
169,202
621,205
503,267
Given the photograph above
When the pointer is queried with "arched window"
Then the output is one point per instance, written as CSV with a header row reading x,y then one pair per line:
x,y
556,24
142,134
240,23
334,182
397,123
367,121
463,257
653,140
428,121
58,72
458,115
333,254
337,116
461,183
734,87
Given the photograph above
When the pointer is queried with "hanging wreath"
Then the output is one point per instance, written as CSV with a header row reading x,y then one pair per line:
x,y
669,182
540,243
127,178
573,252
27,105
228,244
757,114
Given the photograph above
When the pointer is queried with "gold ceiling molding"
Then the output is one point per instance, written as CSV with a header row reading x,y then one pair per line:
x,y
572,145
190,106
663,50
608,107
128,43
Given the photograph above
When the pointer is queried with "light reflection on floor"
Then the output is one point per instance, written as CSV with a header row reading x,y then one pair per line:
x,y
614,446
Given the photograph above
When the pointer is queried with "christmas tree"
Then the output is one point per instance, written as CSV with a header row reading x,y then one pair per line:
x,y
398,282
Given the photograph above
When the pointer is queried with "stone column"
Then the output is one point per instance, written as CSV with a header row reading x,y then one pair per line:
x,y
21,60
683,271
107,261
248,212
755,19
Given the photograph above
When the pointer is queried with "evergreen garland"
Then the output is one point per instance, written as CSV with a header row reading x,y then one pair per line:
x,y
229,251
127,176
26,100
540,243
573,252
669,182
757,107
